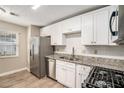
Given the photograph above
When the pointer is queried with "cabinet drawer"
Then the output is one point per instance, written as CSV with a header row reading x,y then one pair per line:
x,y
59,62
70,65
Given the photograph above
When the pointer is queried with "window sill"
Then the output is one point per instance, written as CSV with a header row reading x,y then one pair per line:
x,y
9,56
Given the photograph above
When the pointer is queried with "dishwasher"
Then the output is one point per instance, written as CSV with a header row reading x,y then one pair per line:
x,y
51,68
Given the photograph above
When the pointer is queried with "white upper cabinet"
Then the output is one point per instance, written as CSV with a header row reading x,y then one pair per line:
x,y
71,25
95,27
54,30
87,29
101,27
57,38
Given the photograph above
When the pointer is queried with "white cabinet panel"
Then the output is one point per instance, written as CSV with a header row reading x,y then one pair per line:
x,y
95,27
71,25
101,27
57,38
65,73
70,77
85,72
78,76
87,29
60,74
82,73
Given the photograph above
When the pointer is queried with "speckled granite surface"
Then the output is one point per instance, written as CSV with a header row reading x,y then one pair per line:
x,y
93,61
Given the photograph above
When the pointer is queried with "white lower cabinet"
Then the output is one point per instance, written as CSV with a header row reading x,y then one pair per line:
x,y
65,73
82,73
71,75
60,74
78,76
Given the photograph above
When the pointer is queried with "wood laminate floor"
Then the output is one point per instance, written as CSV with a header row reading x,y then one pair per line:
x,y
25,79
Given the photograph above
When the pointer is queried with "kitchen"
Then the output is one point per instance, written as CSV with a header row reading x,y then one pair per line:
x,y
82,47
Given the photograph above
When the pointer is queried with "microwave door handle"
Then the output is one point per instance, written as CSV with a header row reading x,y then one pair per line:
x,y
114,13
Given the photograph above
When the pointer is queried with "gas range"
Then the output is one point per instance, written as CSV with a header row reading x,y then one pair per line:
x,y
104,78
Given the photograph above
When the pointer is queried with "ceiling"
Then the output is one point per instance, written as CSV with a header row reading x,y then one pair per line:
x,y
44,15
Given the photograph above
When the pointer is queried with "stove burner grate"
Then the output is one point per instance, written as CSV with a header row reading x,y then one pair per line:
x,y
105,78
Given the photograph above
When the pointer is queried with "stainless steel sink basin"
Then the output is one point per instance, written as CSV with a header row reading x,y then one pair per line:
x,y
68,58
63,57
74,59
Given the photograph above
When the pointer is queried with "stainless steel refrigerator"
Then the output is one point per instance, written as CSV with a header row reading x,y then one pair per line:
x,y
40,47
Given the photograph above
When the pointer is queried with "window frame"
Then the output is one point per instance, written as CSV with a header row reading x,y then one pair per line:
x,y
16,43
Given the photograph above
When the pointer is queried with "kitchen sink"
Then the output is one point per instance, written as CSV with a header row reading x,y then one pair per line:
x,y
74,59
63,57
68,58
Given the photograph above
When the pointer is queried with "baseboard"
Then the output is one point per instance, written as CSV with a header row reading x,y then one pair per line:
x,y
28,69
14,71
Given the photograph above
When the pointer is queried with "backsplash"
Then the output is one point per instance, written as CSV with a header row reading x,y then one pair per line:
x,y
73,40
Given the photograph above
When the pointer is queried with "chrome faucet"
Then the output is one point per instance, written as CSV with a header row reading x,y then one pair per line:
x,y
73,53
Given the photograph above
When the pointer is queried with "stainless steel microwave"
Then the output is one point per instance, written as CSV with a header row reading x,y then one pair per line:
x,y
117,16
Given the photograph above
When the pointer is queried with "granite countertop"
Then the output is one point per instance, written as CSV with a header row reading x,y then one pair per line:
x,y
93,61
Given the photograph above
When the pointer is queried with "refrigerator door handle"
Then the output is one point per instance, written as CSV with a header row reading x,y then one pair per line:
x,y
30,53
33,51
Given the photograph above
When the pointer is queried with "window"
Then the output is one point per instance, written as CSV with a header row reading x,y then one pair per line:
x,y
8,44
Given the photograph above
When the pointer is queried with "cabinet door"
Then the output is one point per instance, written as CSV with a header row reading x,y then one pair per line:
x,y
71,25
55,33
57,38
75,23
101,26
87,29
70,77
85,70
60,74
78,76
82,73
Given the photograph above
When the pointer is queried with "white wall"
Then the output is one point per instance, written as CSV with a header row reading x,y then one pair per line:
x,y
74,41
15,63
